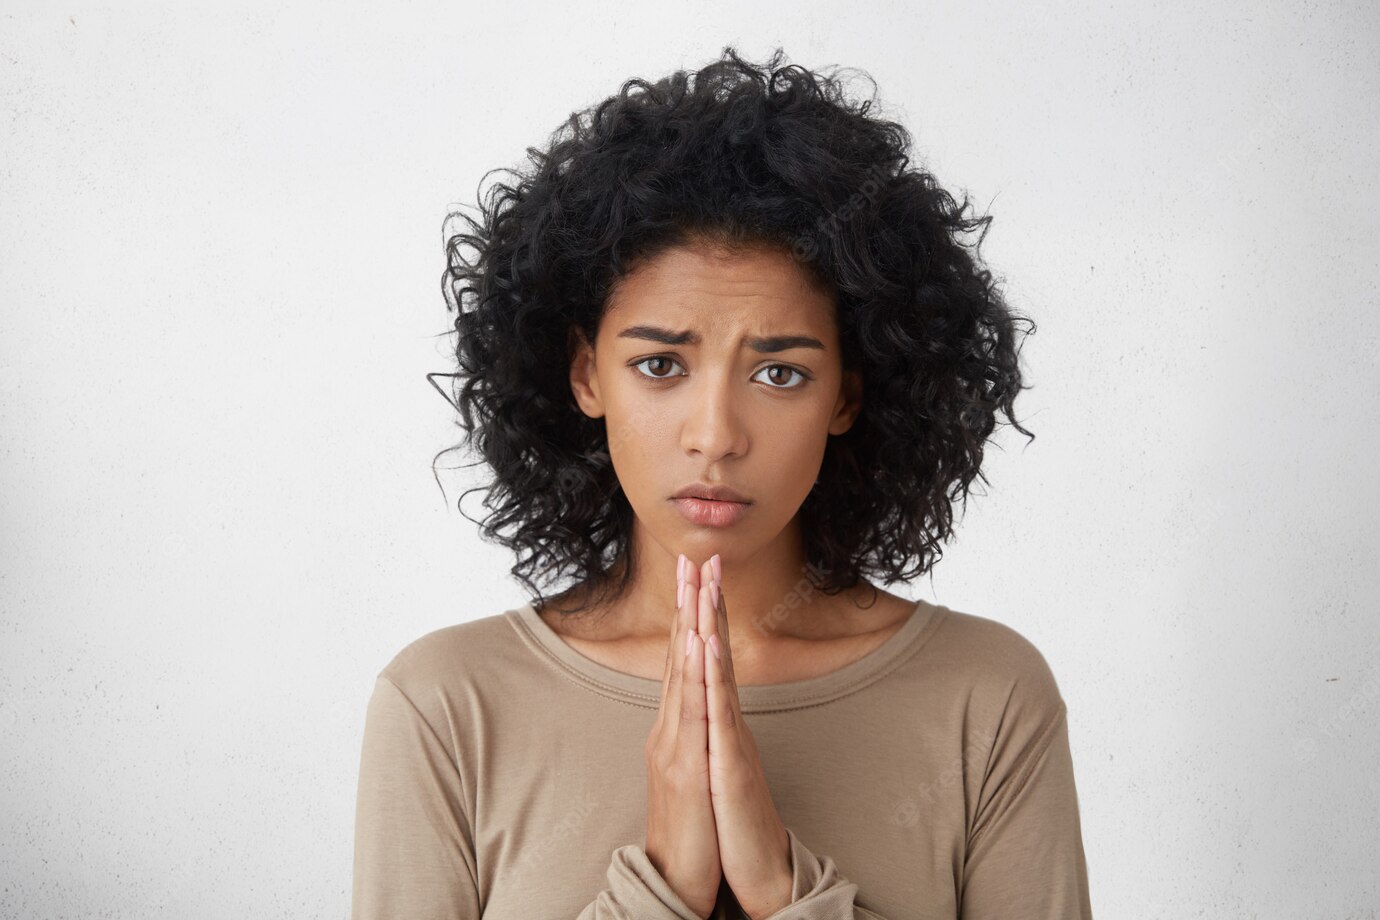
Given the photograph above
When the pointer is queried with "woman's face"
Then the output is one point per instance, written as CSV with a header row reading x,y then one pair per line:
x,y
720,369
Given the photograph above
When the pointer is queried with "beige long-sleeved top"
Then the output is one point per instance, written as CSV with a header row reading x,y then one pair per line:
x,y
502,777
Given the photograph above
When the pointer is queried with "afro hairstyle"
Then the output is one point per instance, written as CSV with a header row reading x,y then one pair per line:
x,y
739,154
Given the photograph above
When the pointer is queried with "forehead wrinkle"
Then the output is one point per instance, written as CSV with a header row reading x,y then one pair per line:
x,y
691,293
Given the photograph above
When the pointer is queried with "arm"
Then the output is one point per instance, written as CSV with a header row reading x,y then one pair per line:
x,y
414,843
1025,853
414,846
1025,857
636,891
818,892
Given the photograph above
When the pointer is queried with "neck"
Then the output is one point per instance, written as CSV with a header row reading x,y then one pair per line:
x,y
771,594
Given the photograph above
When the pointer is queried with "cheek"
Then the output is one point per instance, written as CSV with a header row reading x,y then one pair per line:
x,y
792,451
639,432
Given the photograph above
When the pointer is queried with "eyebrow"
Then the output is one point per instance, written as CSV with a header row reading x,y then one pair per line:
x,y
766,345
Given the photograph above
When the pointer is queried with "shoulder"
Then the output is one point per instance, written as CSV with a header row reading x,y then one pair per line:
x,y
443,661
1014,721
1003,674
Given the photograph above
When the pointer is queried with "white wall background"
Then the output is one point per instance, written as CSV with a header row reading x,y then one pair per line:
x,y
220,258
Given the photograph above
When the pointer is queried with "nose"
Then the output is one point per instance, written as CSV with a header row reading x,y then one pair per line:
x,y
713,427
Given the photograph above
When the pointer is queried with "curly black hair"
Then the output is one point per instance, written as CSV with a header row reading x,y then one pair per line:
x,y
738,154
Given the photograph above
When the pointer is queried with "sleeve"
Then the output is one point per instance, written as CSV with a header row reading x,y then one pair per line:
x,y
818,892
636,891
414,844
1025,858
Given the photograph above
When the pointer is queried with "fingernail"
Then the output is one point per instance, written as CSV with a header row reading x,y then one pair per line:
x,y
718,567
689,642
714,593
714,644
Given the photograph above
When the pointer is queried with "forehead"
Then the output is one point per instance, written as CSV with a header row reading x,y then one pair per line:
x,y
711,286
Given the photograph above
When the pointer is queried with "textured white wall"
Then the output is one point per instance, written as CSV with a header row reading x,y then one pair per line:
x,y
220,252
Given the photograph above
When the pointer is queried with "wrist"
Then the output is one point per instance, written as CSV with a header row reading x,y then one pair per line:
x,y
778,897
776,894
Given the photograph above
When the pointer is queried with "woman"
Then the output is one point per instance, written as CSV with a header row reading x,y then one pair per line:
x,y
726,353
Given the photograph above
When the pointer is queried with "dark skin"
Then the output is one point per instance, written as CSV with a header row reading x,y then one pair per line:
x,y
746,396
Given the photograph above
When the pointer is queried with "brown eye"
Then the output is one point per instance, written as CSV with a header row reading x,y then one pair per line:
x,y
661,361
785,371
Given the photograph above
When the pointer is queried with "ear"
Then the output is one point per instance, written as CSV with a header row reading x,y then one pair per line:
x,y
584,380
849,403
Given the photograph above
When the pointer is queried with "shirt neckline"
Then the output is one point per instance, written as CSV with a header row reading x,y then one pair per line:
x,y
796,694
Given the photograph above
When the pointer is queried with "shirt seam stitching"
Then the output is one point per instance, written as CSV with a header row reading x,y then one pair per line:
x,y
459,776
621,696
1026,770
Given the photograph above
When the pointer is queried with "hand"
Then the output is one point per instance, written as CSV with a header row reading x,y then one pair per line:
x,y
681,840
754,850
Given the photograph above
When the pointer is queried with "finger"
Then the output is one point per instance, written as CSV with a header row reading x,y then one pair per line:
x,y
692,578
676,653
708,617
694,718
723,715
721,690
725,647
676,618
675,625
705,608
713,621
668,683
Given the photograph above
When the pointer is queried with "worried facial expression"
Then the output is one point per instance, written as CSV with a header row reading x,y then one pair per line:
x,y
717,368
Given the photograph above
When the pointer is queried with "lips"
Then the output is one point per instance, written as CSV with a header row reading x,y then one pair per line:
x,y
717,493
710,513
